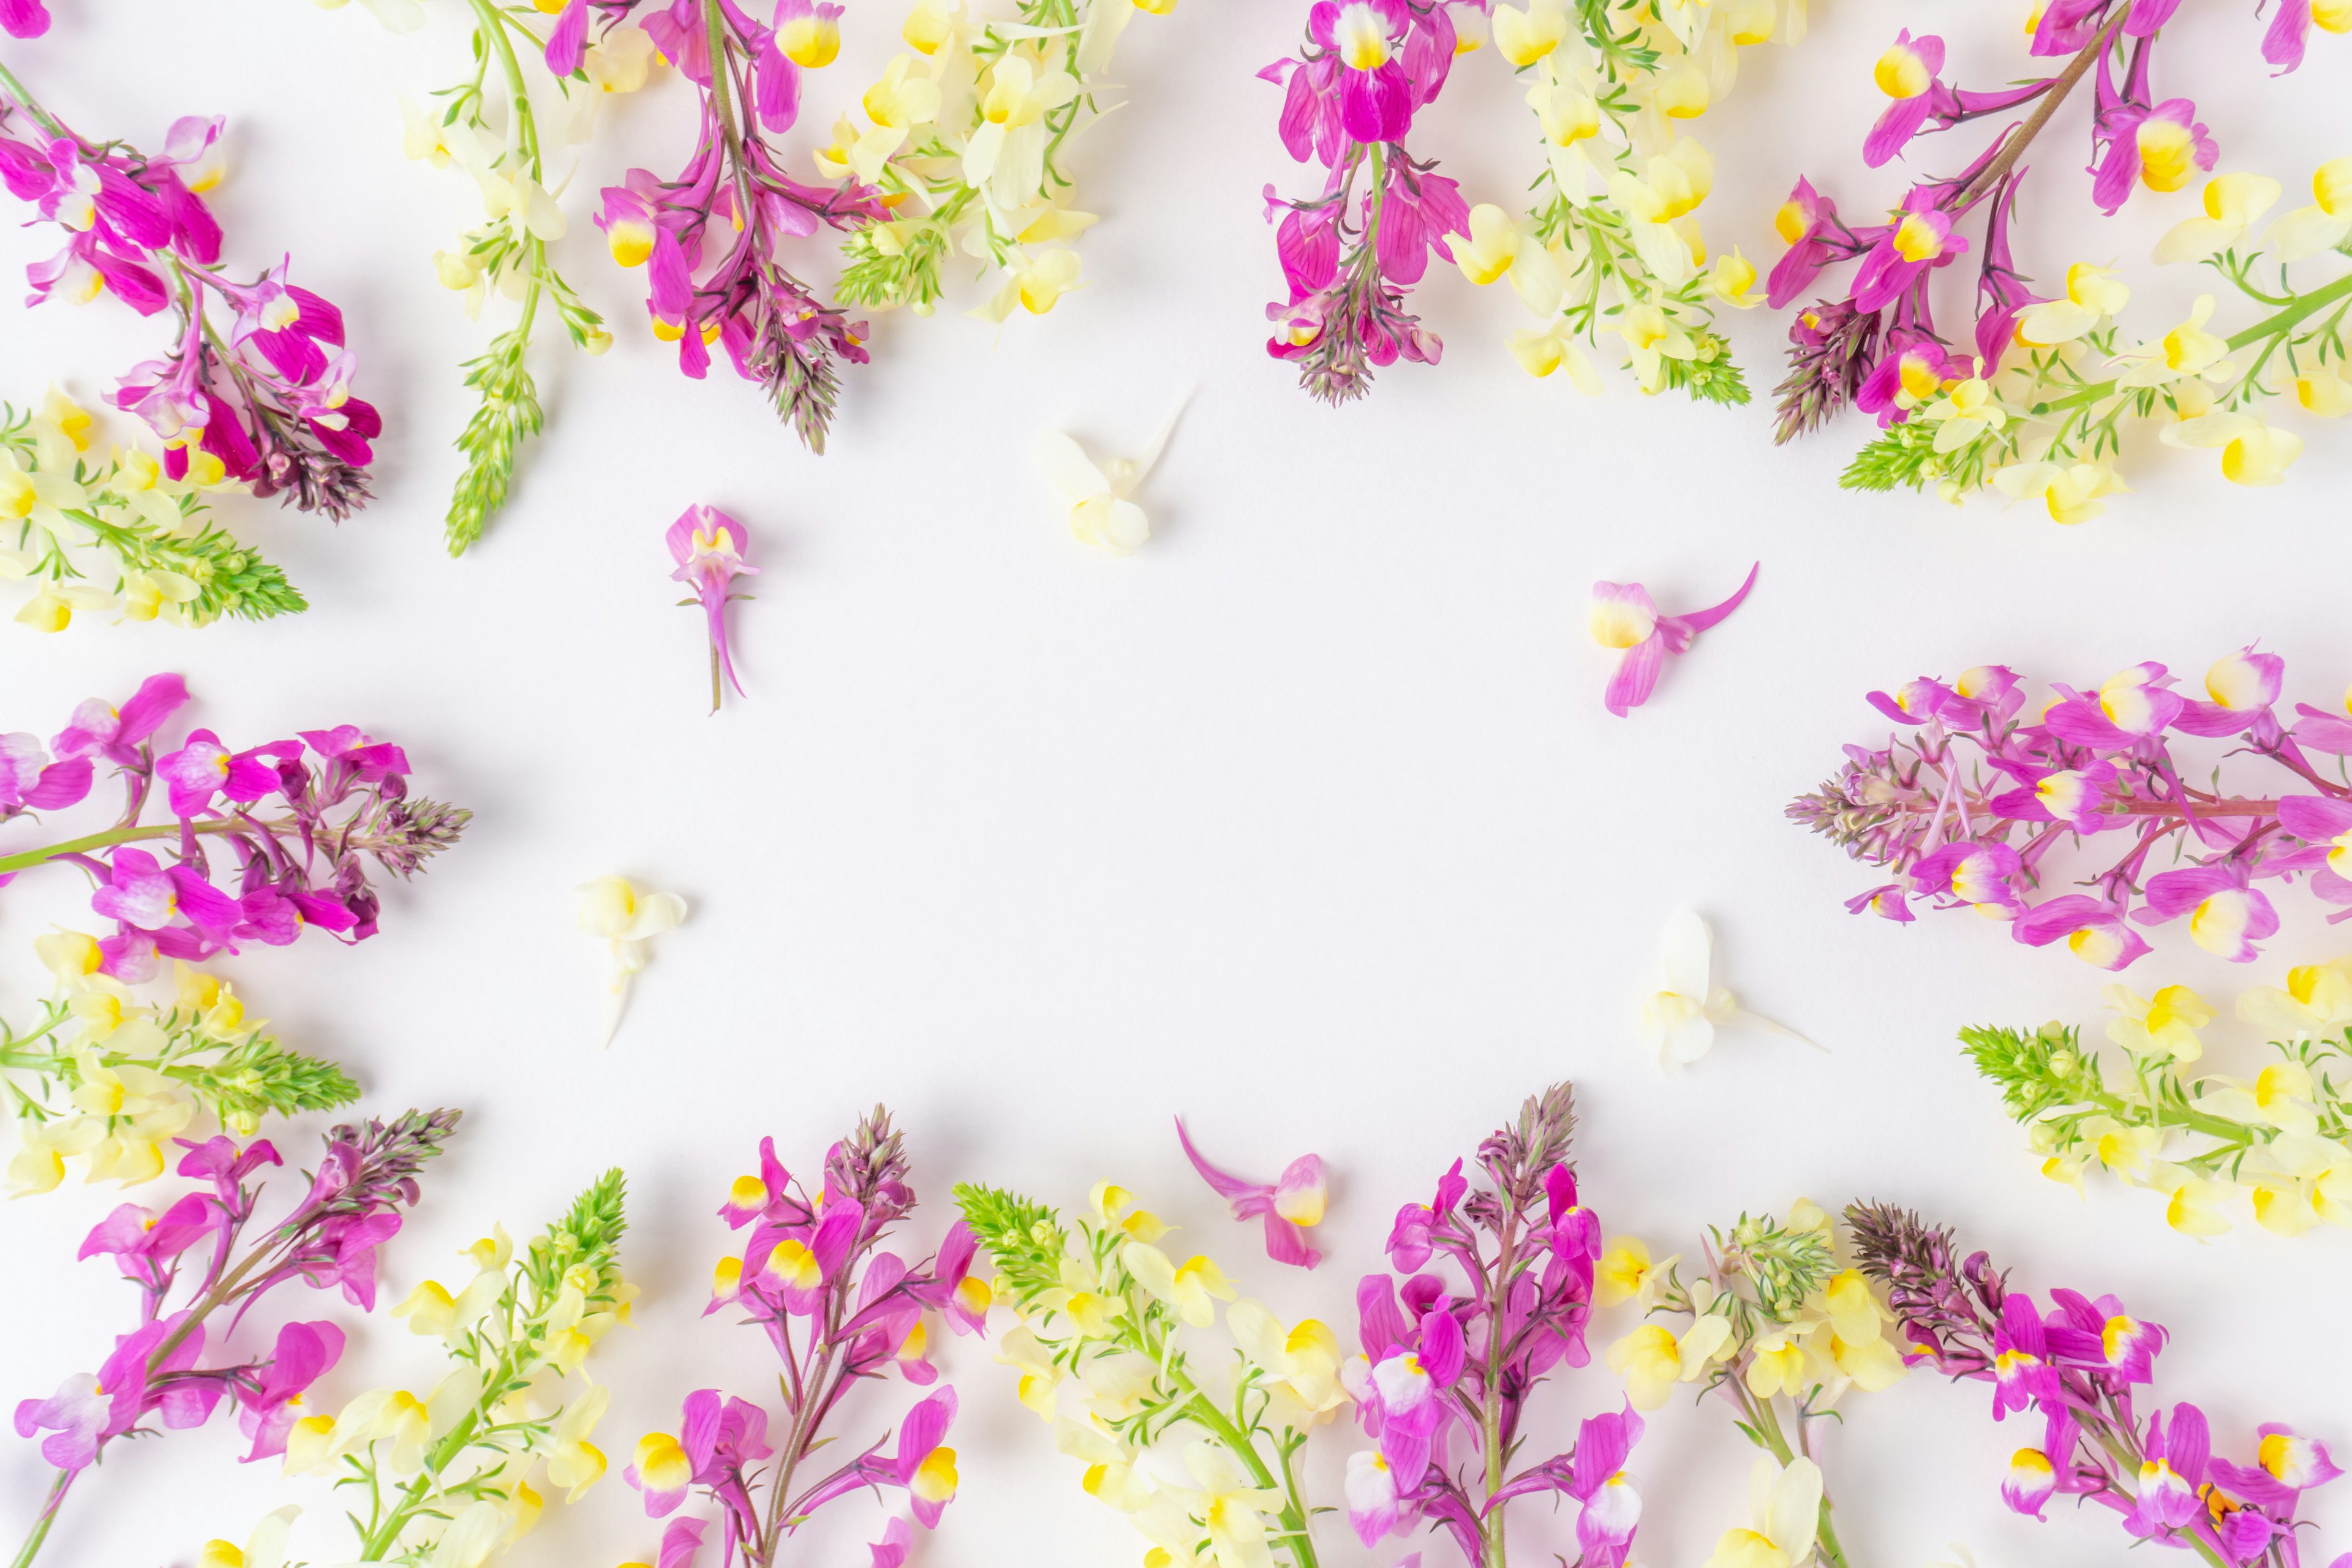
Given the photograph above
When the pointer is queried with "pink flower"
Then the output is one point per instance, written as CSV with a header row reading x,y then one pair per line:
x,y
203,768
710,548
30,782
1920,240
923,1467
1907,74
2093,929
1290,1206
2225,915
1623,618
1612,1512
100,730
140,893
267,1411
2170,1472
2157,145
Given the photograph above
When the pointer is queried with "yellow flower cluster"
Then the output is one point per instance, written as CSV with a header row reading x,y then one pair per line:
x,y
1616,239
1108,1327
122,1109
45,480
2279,1137
970,128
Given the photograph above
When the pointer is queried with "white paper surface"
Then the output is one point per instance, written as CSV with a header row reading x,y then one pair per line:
x,y
1305,821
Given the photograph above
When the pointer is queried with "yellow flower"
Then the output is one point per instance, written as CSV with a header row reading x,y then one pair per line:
x,y
1188,1288
2071,491
2323,392
2323,226
2232,203
2092,294
1651,1360
1523,37
1733,280
2253,452
1784,1507
1626,1274
2163,1025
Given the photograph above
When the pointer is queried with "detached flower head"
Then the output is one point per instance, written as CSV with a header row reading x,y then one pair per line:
x,y
1683,1013
626,920
710,548
1624,619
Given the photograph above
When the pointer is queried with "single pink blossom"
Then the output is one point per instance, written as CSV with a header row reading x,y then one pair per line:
x,y
1624,618
1291,1205
710,548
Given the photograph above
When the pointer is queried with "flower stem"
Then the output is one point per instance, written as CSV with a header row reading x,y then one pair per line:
x,y
2273,326
2020,139
28,858
65,1479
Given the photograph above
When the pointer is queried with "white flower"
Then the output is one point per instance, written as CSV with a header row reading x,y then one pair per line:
x,y
1101,513
1683,1013
613,909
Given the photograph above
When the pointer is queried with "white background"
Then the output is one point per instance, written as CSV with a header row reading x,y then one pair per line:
x,y
1306,822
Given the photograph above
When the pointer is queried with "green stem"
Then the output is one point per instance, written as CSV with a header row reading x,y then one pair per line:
x,y
1763,1420
41,116
28,858
1200,1409
65,1479
2273,326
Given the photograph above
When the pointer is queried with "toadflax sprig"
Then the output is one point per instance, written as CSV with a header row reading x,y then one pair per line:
x,y
839,1308
536,83
1109,1349
1972,806
189,1305
342,804
2280,1138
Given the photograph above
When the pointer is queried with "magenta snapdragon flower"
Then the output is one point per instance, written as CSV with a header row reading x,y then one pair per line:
x,y
836,1307
196,1270
1496,1290
260,386
1972,806
713,237
710,548
2079,1367
1349,254
342,802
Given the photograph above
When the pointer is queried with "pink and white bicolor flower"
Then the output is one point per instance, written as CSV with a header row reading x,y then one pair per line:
x,y
1291,1205
2030,1480
2094,931
2171,1471
710,548
2242,685
1625,620
2225,915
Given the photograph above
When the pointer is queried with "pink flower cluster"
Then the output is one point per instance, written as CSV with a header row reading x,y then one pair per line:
x,y
1880,341
329,1241
836,1307
1350,253
1449,1364
714,235
266,391
344,801
2077,1366
1971,804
